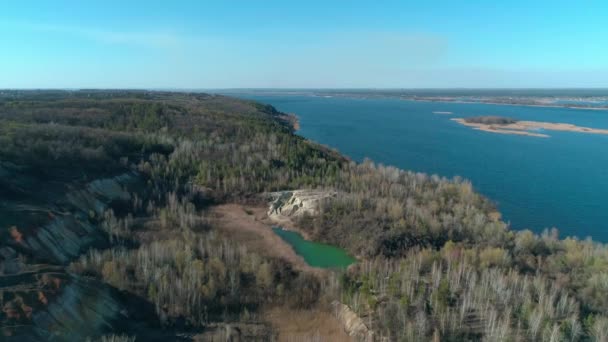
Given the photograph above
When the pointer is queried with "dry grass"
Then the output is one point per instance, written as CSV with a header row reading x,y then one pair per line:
x,y
306,325
249,226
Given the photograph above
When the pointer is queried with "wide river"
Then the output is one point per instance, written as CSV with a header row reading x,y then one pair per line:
x,y
537,183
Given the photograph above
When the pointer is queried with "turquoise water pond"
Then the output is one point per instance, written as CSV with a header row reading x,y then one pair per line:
x,y
316,254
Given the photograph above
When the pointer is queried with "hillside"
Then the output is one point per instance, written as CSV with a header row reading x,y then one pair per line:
x,y
108,226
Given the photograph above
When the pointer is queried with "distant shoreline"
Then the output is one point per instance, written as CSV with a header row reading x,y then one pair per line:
x,y
491,100
509,104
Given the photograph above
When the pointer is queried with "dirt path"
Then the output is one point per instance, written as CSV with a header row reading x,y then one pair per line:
x,y
249,225
306,325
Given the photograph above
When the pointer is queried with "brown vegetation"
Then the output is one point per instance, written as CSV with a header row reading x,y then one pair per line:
x,y
306,325
246,225
437,260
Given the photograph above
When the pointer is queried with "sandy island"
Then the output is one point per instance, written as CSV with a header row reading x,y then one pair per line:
x,y
444,113
527,127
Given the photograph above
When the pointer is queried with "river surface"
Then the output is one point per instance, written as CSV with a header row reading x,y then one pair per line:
x,y
316,254
537,183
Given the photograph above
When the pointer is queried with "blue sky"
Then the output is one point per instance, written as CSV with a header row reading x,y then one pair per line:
x,y
303,44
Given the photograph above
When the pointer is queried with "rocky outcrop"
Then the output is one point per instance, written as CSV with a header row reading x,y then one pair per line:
x,y
82,307
285,206
49,304
43,226
352,323
59,229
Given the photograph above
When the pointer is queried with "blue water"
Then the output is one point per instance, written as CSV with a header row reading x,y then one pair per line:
x,y
316,254
537,183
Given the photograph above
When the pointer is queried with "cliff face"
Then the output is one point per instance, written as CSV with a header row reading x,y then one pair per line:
x,y
79,308
353,324
285,206
44,302
62,228
43,228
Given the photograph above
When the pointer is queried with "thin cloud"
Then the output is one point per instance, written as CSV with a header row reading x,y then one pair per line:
x,y
162,40
355,52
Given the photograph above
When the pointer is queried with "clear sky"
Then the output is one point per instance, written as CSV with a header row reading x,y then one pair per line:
x,y
303,44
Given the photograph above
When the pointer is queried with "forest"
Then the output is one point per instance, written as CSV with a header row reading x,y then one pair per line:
x,y
115,190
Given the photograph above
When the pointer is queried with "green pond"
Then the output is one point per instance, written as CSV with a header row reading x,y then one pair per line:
x,y
316,254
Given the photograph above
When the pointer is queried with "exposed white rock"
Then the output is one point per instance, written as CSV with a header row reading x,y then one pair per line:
x,y
352,323
288,205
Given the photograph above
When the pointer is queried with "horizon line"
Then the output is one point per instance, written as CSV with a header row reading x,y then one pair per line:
x,y
289,88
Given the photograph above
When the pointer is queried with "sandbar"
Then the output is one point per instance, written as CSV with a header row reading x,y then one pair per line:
x,y
529,127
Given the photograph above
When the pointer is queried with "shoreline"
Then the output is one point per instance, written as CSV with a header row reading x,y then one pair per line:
x,y
287,225
509,104
290,226
292,120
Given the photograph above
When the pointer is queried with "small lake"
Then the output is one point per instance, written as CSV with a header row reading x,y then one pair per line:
x,y
316,254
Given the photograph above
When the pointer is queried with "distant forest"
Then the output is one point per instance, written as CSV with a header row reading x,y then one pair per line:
x,y
106,232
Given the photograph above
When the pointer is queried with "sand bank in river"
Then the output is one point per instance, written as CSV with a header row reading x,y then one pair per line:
x,y
529,127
